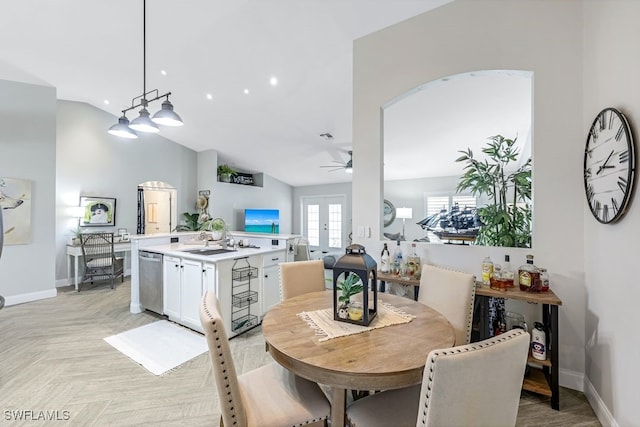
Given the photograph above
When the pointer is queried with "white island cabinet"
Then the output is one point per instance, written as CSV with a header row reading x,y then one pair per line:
x,y
271,279
183,290
245,280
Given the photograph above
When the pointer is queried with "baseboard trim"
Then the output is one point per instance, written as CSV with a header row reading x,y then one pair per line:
x,y
571,379
598,405
33,296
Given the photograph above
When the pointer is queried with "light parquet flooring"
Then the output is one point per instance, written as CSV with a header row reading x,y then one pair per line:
x,y
54,362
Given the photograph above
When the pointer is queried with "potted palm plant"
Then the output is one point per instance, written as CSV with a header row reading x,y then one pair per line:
x,y
506,219
224,173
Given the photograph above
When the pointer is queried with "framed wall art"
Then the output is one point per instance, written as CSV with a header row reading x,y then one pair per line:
x,y
98,211
15,202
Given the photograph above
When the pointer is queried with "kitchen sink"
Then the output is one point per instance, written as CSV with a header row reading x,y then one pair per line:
x,y
209,251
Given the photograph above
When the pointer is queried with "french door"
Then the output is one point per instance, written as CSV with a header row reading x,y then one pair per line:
x,y
323,222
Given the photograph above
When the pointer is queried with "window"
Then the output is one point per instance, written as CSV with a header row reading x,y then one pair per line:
x,y
434,204
313,225
335,225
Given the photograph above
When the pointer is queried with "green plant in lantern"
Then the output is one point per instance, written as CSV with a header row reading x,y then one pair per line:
x,y
506,220
348,287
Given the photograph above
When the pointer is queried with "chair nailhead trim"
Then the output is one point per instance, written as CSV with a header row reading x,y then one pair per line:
x,y
227,385
463,349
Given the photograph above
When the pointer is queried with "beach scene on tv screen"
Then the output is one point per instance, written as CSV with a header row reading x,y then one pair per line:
x,y
262,221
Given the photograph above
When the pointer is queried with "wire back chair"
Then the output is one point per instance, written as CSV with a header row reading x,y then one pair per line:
x,y
100,262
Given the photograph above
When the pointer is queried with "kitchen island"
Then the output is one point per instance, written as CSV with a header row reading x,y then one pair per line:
x,y
245,279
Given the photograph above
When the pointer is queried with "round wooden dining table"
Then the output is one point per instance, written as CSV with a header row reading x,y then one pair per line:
x,y
378,359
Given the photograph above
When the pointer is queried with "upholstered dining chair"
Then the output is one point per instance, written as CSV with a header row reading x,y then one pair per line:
x,y
301,277
267,396
451,293
98,256
472,385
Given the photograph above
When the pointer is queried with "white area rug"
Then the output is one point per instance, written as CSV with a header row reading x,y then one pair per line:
x,y
159,346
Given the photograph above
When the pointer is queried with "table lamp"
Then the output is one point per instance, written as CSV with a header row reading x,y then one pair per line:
x,y
404,214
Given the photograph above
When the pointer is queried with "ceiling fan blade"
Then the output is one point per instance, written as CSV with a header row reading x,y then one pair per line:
x,y
334,168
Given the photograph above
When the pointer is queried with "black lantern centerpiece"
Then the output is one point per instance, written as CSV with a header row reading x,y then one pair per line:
x,y
355,290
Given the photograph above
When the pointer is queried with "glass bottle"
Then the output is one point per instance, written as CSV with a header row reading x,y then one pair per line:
x,y
529,276
413,263
487,270
398,256
385,259
544,279
507,272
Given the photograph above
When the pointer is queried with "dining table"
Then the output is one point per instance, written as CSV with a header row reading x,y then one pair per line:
x,y
382,358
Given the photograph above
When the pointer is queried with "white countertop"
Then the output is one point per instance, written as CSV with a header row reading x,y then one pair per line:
x,y
232,233
179,250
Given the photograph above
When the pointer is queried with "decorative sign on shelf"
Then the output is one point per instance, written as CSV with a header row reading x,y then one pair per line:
x,y
242,178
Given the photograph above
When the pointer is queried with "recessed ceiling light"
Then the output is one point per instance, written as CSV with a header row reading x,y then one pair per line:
x,y
106,102
163,72
246,91
273,81
209,96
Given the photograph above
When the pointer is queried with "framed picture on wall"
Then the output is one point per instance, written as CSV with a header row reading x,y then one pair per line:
x,y
98,211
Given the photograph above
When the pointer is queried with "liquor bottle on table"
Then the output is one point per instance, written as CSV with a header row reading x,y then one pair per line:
x,y
529,276
487,270
413,263
398,259
385,259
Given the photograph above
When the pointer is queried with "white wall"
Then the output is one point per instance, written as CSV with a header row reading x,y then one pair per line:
x,y
92,162
544,37
228,201
27,151
611,69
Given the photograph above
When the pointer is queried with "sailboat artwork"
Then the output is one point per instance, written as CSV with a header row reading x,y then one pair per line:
x,y
15,201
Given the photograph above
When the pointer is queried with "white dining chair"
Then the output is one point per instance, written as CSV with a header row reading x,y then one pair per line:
x,y
452,293
267,396
474,385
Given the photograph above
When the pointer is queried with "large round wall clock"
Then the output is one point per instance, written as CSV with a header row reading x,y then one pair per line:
x,y
609,166
388,212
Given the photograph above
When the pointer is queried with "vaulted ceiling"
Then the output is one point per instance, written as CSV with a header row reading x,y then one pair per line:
x,y
208,54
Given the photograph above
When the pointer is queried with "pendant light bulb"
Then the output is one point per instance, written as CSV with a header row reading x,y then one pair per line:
x,y
143,123
166,116
122,129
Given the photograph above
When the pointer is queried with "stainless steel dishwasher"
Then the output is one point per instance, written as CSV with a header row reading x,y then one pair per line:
x,y
150,281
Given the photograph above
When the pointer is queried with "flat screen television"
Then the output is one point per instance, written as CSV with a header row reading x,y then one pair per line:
x,y
262,221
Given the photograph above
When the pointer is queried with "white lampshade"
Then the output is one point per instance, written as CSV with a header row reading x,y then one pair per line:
x,y
404,213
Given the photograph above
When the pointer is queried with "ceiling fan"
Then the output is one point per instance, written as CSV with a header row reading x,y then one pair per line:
x,y
347,167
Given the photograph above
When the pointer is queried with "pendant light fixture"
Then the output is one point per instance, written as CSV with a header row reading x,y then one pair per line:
x,y
145,123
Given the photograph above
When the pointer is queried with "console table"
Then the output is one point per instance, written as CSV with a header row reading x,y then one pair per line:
x,y
392,278
542,381
545,380
75,251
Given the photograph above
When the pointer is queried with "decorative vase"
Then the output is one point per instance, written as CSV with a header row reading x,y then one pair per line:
x,y
225,177
355,311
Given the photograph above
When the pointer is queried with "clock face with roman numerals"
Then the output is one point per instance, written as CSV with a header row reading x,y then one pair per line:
x,y
609,163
